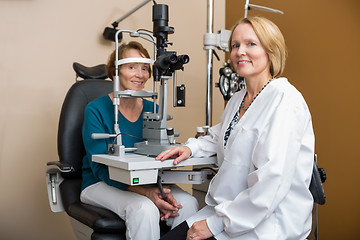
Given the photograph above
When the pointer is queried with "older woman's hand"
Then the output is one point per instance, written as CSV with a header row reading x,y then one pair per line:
x,y
167,206
180,153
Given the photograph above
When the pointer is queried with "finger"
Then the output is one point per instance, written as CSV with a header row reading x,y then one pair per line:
x,y
165,206
170,199
185,153
190,235
167,153
179,159
161,155
163,215
168,214
164,155
167,190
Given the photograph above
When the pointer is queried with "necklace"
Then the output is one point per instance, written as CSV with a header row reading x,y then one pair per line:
x,y
242,102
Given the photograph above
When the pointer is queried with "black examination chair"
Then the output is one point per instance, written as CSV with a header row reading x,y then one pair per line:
x,y
63,177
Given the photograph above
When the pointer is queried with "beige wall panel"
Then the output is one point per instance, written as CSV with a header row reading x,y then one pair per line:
x,y
39,41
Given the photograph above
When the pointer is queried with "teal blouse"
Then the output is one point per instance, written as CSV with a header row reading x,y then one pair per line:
x,y
99,118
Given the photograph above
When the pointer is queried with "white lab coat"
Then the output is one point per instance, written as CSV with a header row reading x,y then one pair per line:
x,y
261,188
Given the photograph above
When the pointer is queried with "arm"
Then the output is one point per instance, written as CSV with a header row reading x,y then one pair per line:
x,y
95,122
201,147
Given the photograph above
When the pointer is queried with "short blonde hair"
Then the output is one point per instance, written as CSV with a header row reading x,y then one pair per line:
x,y
110,66
271,39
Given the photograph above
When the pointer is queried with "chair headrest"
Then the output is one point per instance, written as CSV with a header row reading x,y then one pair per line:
x,y
95,72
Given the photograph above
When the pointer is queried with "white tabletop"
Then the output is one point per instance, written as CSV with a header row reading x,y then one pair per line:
x,y
133,161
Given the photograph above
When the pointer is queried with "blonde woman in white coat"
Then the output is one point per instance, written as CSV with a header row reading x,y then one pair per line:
x,y
264,146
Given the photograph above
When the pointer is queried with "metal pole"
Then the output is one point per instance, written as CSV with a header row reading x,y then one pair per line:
x,y
131,11
246,8
210,29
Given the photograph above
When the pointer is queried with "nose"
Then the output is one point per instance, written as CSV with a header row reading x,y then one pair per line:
x,y
139,72
241,51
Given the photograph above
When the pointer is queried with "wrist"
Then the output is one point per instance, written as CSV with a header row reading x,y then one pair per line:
x,y
215,224
139,190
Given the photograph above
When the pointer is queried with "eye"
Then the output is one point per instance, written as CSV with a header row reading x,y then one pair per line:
x,y
145,68
235,45
252,44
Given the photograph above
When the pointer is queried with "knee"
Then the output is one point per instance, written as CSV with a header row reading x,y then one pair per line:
x,y
144,208
193,202
188,202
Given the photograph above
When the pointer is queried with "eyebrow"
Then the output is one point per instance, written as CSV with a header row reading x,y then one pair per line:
x,y
247,40
137,63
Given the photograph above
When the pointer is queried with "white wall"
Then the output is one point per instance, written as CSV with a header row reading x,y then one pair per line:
x,y
39,41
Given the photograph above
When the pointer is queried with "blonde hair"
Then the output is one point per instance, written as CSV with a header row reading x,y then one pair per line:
x,y
271,39
110,66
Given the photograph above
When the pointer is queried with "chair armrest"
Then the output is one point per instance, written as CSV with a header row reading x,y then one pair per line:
x,y
316,187
59,166
53,181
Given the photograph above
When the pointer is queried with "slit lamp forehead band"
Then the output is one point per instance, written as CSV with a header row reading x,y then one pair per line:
x,y
134,60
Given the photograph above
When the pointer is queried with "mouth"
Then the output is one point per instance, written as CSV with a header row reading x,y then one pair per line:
x,y
138,82
242,62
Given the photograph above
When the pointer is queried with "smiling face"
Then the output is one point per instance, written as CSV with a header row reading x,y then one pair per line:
x,y
247,55
133,76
